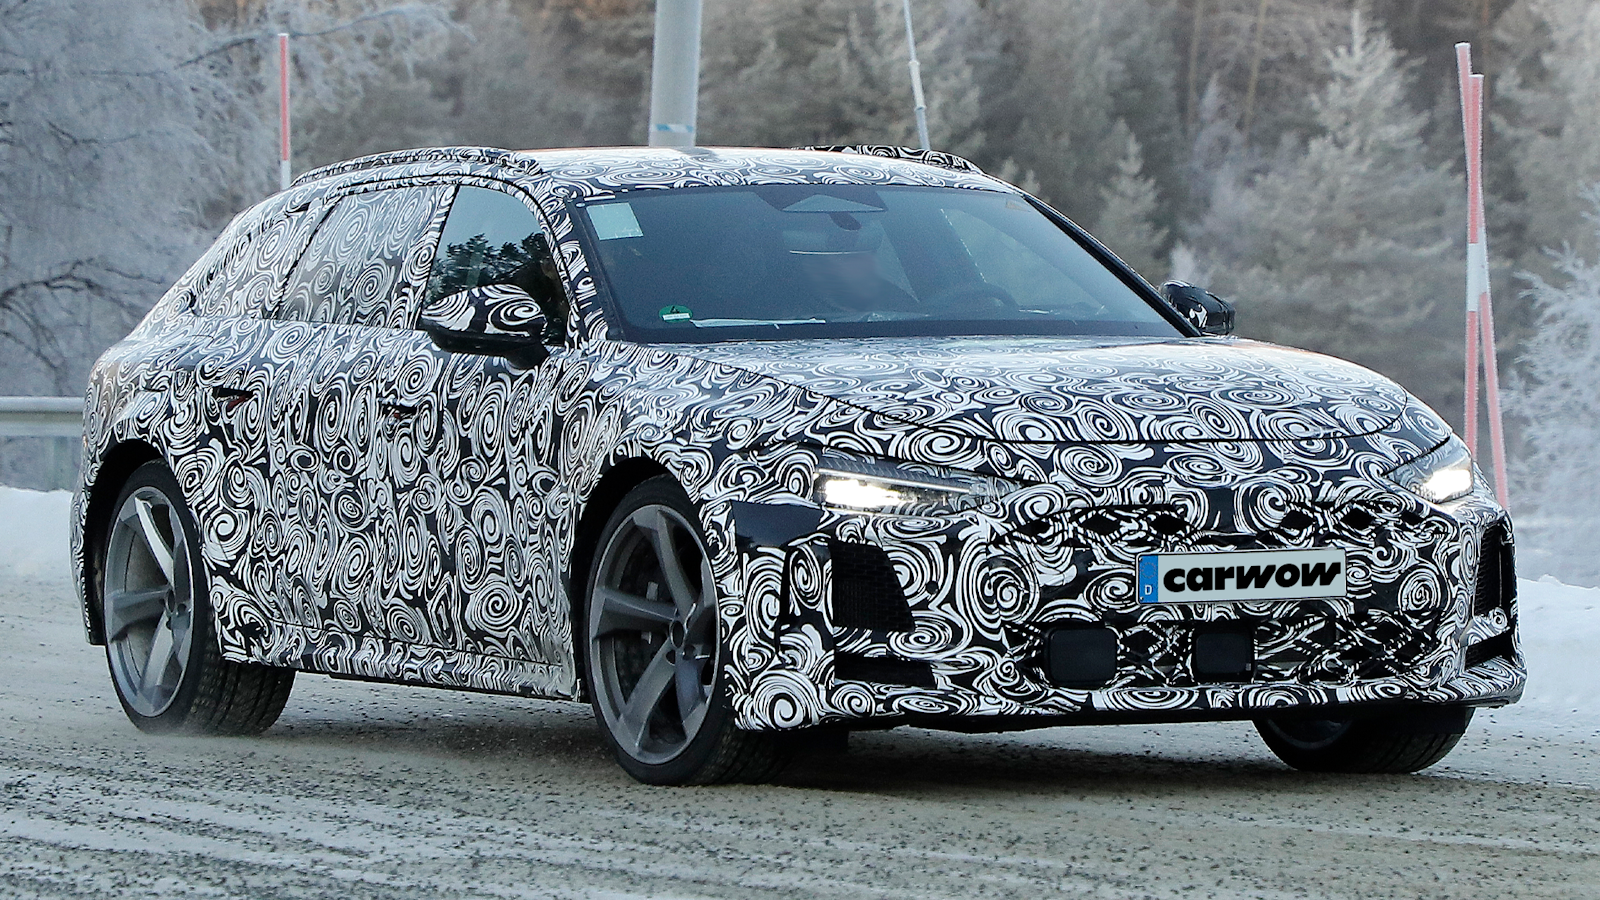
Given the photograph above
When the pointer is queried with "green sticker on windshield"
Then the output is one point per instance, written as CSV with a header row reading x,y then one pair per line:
x,y
675,313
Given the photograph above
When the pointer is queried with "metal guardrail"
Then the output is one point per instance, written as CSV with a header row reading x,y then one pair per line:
x,y
41,416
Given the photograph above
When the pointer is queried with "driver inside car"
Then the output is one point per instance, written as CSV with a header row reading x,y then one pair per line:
x,y
839,258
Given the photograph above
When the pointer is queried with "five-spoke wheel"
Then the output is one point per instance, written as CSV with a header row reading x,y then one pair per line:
x,y
148,600
165,663
652,648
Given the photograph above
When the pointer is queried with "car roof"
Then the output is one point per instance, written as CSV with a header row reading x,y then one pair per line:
x,y
598,172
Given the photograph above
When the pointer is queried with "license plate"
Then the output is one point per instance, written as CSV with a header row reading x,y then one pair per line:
x,y
1240,575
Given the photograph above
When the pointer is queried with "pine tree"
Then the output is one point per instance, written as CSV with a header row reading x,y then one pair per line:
x,y
1550,113
1127,221
1350,245
778,73
1556,400
1065,73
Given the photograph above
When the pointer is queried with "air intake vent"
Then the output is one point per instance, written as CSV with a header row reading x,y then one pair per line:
x,y
1497,576
883,670
1494,648
866,592
1081,656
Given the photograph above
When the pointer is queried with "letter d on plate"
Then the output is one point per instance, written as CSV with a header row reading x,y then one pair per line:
x,y
1147,580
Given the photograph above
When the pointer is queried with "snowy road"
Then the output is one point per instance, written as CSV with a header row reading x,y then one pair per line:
x,y
375,791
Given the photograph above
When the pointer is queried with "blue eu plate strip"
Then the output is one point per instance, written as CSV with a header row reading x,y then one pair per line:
x,y
1148,580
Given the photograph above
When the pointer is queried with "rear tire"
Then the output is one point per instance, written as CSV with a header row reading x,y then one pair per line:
x,y
653,652
161,644
1392,743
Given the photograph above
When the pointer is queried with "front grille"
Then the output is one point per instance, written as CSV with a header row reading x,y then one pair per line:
x,y
1310,643
866,591
1224,652
1497,577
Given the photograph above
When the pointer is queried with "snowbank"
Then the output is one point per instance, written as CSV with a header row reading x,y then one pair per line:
x,y
33,533
1560,623
1561,638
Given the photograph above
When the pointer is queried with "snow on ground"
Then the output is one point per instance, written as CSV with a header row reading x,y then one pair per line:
x,y
1560,637
33,533
1560,623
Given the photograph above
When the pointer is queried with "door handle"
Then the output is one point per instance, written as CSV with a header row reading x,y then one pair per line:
x,y
396,410
231,397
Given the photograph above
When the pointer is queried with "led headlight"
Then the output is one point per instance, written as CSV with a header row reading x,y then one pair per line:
x,y
1442,474
845,482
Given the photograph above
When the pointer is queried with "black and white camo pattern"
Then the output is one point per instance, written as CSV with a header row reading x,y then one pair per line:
x,y
371,505
493,309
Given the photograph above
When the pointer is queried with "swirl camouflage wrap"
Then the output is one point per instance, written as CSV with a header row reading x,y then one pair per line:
x,y
372,505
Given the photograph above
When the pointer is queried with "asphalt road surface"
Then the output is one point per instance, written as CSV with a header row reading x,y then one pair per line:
x,y
365,791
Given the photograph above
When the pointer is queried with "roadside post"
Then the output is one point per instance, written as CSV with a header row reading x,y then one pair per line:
x,y
1480,309
283,111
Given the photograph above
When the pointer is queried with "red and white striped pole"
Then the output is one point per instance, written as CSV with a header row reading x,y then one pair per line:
x,y
283,112
1480,310
1476,250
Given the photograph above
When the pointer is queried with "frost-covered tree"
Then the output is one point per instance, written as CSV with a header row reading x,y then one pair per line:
x,y
1064,74
104,153
347,55
1556,401
537,73
1267,55
1349,245
130,132
835,72
1547,106
1127,221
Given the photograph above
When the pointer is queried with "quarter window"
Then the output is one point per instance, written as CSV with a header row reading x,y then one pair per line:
x,y
361,265
491,237
248,276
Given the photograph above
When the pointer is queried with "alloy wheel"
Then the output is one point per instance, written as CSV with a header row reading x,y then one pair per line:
x,y
652,634
148,598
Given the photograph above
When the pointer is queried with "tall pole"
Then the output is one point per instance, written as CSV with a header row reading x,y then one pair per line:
x,y
1480,309
675,73
916,80
283,112
1477,253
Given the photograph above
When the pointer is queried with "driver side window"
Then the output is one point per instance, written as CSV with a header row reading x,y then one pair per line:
x,y
491,237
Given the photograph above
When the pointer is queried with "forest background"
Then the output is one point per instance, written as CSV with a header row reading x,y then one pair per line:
x,y
1301,157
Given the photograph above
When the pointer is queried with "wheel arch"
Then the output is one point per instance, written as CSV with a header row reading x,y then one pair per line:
x,y
116,465
619,478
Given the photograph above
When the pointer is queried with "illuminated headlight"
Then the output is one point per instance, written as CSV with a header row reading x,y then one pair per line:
x,y
872,486
1442,474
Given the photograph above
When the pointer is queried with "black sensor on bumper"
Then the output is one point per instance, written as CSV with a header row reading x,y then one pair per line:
x,y
1081,657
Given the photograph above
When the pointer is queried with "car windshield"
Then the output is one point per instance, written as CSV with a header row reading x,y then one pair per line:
x,y
808,261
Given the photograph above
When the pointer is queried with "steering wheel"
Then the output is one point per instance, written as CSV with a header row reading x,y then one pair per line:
x,y
958,292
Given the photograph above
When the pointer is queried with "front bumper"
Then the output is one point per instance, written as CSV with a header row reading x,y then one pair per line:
x,y
818,638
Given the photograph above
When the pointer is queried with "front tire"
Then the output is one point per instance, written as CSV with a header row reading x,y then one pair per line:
x,y
161,646
1393,743
653,652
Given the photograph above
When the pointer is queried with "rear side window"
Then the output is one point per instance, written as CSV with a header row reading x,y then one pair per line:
x,y
250,272
491,237
367,261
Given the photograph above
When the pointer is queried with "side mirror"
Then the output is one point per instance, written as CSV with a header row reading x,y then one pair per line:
x,y
494,320
1204,310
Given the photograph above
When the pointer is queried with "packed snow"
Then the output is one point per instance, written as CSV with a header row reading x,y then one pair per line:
x,y
33,533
